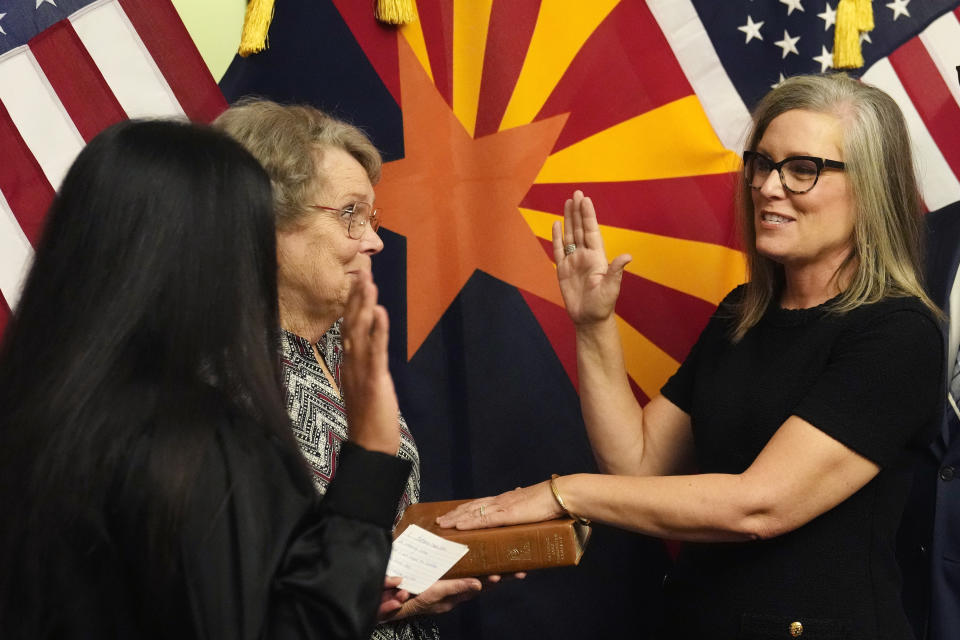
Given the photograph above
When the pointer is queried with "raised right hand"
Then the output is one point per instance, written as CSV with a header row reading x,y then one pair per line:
x,y
372,409
589,285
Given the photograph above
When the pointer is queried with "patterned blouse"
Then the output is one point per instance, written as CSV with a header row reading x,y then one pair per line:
x,y
320,426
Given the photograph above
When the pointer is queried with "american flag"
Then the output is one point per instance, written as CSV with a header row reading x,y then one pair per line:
x,y
733,52
68,69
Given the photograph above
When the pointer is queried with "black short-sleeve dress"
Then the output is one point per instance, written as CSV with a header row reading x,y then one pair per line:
x,y
870,378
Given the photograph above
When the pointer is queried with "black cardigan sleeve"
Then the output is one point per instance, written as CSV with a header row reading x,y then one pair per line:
x,y
263,557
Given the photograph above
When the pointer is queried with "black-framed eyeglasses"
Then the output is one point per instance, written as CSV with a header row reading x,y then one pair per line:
x,y
798,174
356,215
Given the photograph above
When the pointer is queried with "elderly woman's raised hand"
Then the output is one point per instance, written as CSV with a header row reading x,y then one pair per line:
x,y
589,285
368,390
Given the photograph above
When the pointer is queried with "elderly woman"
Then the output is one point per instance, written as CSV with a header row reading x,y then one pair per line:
x,y
780,449
323,171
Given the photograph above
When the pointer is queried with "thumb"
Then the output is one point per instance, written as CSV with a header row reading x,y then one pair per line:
x,y
447,588
617,266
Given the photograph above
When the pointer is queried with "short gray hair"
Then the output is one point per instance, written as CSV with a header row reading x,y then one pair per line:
x,y
285,139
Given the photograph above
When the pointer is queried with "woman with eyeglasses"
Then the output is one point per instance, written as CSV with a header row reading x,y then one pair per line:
x,y
150,484
323,171
780,451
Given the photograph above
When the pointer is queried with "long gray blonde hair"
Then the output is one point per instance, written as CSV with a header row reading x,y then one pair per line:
x,y
887,243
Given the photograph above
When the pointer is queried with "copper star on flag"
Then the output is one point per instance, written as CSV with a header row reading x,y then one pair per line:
x,y
462,196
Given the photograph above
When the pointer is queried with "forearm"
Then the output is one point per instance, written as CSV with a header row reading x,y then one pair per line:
x,y
332,576
612,416
779,492
701,508
331,590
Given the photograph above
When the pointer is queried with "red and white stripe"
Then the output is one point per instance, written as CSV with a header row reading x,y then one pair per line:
x,y
111,60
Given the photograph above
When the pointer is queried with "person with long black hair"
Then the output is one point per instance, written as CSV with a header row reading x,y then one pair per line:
x,y
149,479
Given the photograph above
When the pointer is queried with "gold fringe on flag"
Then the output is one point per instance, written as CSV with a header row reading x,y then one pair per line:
x,y
854,17
256,24
865,15
396,11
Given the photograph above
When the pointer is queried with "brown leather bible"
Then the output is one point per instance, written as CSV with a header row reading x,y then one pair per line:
x,y
519,547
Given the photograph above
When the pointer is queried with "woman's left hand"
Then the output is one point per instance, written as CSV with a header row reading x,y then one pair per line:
x,y
443,595
391,599
524,504
440,597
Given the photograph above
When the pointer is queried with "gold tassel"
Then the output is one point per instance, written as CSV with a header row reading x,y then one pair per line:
x,y
865,15
846,44
256,24
396,11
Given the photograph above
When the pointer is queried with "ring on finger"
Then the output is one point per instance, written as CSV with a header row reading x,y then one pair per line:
x,y
568,249
483,509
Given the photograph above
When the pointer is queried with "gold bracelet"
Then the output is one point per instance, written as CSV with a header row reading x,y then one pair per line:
x,y
556,494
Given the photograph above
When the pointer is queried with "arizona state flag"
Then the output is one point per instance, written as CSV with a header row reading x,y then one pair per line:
x,y
489,114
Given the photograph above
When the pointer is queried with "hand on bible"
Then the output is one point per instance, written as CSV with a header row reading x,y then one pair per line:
x,y
524,504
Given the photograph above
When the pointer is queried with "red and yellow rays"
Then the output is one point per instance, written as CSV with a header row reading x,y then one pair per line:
x,y
506,110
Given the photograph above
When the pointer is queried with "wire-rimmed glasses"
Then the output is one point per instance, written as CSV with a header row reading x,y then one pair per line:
x,y
798,174
356,215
